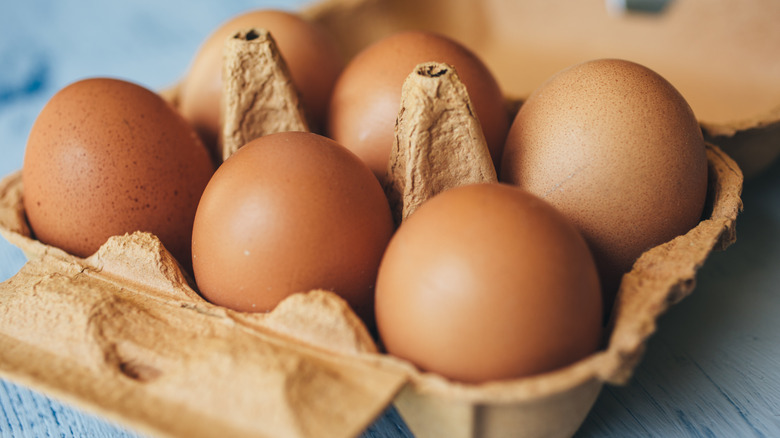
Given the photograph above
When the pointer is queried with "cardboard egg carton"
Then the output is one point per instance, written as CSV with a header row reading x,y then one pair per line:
x,y
123,333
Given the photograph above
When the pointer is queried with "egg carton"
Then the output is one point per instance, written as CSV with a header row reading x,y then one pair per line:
x,y
123,333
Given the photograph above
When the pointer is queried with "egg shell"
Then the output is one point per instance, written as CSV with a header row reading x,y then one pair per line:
x,y
618,150
313,58
367,95
290,212
107,157
487,282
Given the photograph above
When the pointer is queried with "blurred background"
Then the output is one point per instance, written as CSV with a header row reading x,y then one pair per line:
x,y
711,370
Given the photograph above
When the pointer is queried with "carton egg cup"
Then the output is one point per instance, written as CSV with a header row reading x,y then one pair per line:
x,y
123,333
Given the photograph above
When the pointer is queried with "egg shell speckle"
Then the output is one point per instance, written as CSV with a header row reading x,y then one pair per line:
x,y
617,149
106,157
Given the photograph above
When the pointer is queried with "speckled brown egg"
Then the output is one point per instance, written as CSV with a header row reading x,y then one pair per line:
x,y
290,212
107,157
367,96
488,282
313,58
617,149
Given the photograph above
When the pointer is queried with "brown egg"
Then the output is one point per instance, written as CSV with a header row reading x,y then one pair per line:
x,y
313,58
488,282
617,149
367,95
287,213
107,157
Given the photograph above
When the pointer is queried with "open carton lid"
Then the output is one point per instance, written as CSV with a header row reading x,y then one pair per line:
x,y
721,55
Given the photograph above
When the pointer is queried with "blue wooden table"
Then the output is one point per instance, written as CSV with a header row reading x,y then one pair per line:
x,y
713,369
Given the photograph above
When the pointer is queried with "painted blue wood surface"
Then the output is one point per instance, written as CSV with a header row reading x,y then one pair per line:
x,y
712,370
